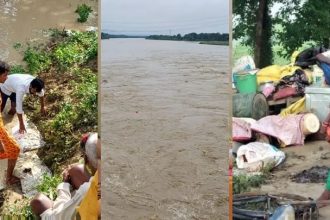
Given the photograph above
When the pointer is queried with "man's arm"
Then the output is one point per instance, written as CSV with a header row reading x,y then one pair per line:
x,y
63,194
320,57
21,123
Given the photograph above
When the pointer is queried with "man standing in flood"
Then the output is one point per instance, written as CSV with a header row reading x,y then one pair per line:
x,y
15,87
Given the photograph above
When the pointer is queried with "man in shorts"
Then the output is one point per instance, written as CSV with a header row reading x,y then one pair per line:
x,y
15,87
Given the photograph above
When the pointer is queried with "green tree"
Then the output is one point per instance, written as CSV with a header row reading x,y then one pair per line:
x,y
302,22
253,25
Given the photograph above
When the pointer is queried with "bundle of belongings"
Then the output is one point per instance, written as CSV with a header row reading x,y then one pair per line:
x,y
319,56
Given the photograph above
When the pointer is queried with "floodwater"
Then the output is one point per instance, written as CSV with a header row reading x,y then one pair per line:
x,y
25,20
165,112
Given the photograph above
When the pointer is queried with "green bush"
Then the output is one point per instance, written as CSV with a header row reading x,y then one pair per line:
x,y
243,183
48,186
83,12
37,61
20,209
71,94
17,69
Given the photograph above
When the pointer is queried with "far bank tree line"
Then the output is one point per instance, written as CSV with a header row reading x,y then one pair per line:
x,y
187,37
192,37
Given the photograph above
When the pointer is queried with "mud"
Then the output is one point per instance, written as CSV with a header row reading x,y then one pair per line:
x,y
300,158
315,174
164,130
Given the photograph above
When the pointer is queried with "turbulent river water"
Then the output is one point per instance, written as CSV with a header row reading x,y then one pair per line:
x,y
164,127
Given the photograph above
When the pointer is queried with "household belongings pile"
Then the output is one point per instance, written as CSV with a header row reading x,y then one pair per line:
x,y
255,135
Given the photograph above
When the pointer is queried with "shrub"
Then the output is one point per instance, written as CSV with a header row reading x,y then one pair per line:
x,y
83,12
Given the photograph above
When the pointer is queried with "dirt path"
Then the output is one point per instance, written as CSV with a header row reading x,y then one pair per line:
x,y
301,158
164,128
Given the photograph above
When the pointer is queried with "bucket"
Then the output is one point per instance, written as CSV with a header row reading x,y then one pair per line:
x,y
310,124
245,82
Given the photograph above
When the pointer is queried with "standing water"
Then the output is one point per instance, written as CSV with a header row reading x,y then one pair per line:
x,y
165,111
24,21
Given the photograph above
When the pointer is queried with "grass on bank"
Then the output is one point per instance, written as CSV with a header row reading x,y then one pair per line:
x,y
68,65
222,43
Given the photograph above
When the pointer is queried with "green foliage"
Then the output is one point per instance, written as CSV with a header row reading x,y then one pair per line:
x,y
243,183
20,209
77,49
309,21
83,12
245,28
17,69
37,61
17,45
63,120
71,95
192,37
48,186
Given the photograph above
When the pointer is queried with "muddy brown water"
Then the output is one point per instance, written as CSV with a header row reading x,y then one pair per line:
x,y
25,20
164,128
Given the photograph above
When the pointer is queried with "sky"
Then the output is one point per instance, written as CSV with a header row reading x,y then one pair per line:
x,y
145,17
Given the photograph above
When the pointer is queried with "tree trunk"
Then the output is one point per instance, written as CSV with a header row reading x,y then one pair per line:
x,y
326,42
259,33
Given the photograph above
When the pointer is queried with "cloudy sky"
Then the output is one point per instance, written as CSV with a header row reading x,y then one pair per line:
x,y
143,17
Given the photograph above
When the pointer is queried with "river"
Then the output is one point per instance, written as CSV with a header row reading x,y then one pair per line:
x,y
164,128
24,21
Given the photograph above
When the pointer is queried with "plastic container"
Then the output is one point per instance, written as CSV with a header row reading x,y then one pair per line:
x,y
310,124
318,76
284,212
245,82
317,101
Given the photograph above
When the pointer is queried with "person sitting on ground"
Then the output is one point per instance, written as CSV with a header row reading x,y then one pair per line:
x,y
89,208
9,149
77,177
15,87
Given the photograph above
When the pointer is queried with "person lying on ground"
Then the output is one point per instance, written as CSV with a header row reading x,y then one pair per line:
x,y
77,177
9,148
89,208
15,87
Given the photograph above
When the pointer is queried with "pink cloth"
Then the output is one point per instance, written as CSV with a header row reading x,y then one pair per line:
x,y
286,129
241,130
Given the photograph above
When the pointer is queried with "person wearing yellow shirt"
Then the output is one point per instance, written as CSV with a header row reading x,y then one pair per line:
x,y
89,208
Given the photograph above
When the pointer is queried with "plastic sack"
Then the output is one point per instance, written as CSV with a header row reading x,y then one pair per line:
x,y
255,156
243,64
